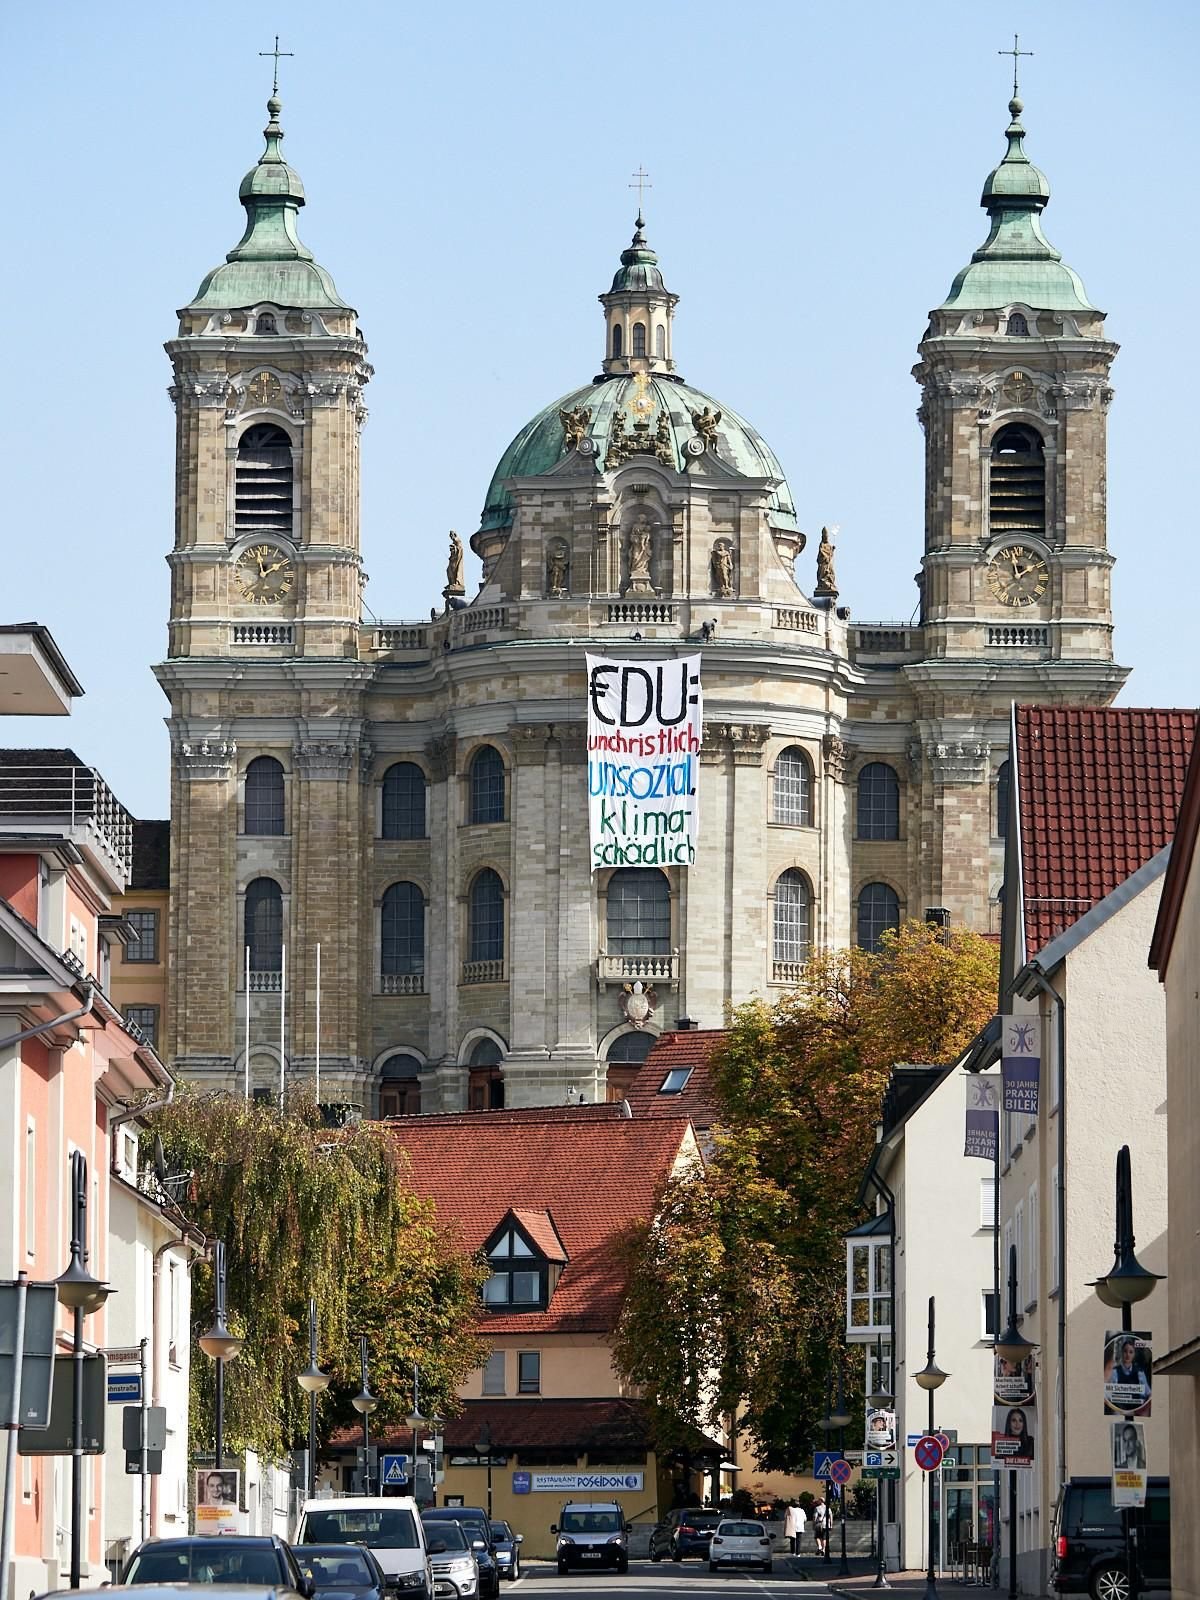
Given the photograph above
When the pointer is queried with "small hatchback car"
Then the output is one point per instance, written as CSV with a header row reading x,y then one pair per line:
x,y
740,1544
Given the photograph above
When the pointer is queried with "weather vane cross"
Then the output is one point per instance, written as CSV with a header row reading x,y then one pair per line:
x,y
276,53
1014,53
641,182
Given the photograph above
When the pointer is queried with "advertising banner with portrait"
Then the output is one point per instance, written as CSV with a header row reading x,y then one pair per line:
x,y
881,1429
1129,1470
1128,1374
644,729
1014,1411
983,1116
217,1500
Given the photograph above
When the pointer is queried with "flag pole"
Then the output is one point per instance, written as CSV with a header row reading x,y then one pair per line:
x,y
282,1016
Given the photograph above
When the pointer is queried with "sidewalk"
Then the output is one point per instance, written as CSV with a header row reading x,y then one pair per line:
x,y
861,1583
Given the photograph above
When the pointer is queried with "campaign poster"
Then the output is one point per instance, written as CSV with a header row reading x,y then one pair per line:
x,y
217,1500
1128,1463
1128,1373
1014,1436
1020,1063
881,1429
983,1117
644,729
1014,1383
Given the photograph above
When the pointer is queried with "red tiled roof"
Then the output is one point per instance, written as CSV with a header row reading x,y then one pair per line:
x,y
689,1047
595,1177
1098,793
539,1226
1183,857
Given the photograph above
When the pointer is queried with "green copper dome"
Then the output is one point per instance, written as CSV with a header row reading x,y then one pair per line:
x,y
269,262
639,266
541,442
1016,262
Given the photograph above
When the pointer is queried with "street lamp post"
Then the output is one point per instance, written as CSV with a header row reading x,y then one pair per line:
x,y
1126,1283
484,1446
414,1419
881,1398
1012,1346
312,1380
835,1421
219,1345
82,1294
930,1378
364,1402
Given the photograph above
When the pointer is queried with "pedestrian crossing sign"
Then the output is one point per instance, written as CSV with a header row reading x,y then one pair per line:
x,y
395,1470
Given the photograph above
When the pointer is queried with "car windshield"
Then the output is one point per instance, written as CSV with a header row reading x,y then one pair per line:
x,y
591,1522
741,1530
451,1534
501,1532
343,1569
210,1562
374,1526
699,1519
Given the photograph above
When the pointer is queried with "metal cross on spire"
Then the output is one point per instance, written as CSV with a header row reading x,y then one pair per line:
x,y
1014,53
641,182
276,53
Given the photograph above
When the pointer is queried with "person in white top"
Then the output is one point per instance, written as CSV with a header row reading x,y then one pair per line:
x,y
794,1524
821,1525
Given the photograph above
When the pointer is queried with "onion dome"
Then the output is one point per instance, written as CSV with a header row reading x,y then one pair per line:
x,y
639,266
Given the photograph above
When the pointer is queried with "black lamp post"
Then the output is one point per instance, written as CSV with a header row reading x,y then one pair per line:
x,y
414,1420
219,1345
364,1402
835,1421
1012,1346
83,1294
484,1447
882,1398
312,1380
1127,1283
930,1378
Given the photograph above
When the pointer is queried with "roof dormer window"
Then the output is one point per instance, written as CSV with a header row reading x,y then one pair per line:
x,y
675,1081
526,1257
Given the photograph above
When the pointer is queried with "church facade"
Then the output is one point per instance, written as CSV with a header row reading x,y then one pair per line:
x,y
411,797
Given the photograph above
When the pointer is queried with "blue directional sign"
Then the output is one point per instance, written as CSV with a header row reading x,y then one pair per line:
x,y
393,1470
823,1460
124,1388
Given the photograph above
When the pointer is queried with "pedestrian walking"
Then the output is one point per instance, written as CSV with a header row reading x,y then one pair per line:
x,y
794,1524
821,1526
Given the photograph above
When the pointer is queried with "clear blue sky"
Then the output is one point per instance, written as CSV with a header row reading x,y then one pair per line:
x,y
816,175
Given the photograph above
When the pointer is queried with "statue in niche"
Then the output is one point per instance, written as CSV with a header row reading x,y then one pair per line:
x,y
557,570
640,548
826,578
454,567
721,566
575,426
706,423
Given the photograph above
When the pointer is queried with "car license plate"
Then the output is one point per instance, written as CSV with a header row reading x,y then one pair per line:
x,y
591,1555
742,1555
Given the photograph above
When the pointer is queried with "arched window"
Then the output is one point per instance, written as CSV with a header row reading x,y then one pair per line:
x,y
400,1087
616,339
1017,495
639,913
793,788
878,910
265,323
485,1085
264,925
791,924
402,931
1003,796
1018,327
487,785
660,341
263,481
625,1056
878,802
264,797
485,917
404,801
639,339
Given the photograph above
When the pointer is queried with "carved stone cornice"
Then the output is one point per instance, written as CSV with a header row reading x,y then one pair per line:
x,y
748,740
836,752
529,740
203,392
958,761
571,738
714,743
325,758
440,753
209,761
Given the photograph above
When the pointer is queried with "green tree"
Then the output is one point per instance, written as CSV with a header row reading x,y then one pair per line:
x,y
736,1299
306,1210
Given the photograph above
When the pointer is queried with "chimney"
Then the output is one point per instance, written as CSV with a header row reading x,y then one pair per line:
x,y
686,1024
938,917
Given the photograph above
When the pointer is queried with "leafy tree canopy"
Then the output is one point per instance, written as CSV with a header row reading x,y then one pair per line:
x,y
305,1210
736,1299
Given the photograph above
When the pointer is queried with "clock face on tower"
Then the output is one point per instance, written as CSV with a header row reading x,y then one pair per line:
x,y
264,574
1018,576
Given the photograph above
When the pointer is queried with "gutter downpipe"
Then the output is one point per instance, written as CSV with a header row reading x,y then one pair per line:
x,y
889,1201
1032,974
89,998
187,1242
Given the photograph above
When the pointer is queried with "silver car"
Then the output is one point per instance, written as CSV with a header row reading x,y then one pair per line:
x,y
455,1567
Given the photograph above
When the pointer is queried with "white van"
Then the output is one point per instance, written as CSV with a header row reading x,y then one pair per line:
x,y
390,1527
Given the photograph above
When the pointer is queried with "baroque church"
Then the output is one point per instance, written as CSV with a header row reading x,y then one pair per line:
x,y
411,796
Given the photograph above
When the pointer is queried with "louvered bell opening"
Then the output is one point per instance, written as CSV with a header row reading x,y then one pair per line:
x,y
1017,502
263,481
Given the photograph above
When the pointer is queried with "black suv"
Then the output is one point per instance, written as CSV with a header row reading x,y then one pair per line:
x,y
259,1559
1089,1542
686,1531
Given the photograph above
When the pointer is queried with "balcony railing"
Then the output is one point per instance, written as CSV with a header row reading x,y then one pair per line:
x,y
402,983
266,982
1018,638
797,619
637,969
72,796
788,972
483,971
395,637
626,613
262,633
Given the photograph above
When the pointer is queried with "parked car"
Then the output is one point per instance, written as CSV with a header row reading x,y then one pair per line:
x,y
1089,1541
682,1533
592,1535
740,1544
178,1591
455,1564
477,1526
505,1543
224,1558
389,1527
342,1571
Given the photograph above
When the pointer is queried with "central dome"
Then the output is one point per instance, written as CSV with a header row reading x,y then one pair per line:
x,y
541,443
